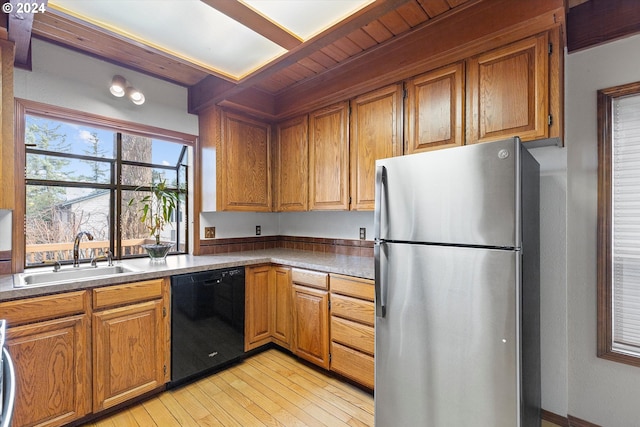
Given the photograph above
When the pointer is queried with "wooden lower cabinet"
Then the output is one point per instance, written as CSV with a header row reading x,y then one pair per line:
x,y
258,322
51,359
282,306
352,328
310,307
268,306
129,341
49,341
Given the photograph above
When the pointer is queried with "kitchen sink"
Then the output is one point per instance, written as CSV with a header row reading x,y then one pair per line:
x,y
69,275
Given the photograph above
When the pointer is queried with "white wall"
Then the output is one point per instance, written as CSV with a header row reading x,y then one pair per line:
x,y
68,79
600,391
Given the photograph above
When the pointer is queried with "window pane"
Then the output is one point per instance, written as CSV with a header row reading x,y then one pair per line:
x,y
148,150
144,176
135,233
61,137
626,224
54,216
55,168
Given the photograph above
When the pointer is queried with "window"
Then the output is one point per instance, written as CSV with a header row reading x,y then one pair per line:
x,y
80,174
619,223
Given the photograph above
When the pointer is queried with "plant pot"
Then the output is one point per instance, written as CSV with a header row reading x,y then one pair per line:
x,y
157,253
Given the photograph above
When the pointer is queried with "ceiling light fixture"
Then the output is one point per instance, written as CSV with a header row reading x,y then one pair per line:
x,y
118,84
121,87
135,95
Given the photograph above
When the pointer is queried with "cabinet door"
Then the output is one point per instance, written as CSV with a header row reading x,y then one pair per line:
x,y
376,133
507,92
311,325
435,109
244,165
292,165
282,306
128,352
259,315
53,373
329,158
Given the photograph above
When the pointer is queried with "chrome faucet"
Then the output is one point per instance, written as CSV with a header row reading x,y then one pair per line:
x,y
76,246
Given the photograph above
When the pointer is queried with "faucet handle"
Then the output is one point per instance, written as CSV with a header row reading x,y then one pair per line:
x,y
94,262
56,266
109,258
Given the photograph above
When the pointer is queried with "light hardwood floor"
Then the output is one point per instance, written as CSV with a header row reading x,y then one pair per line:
x,y
269,389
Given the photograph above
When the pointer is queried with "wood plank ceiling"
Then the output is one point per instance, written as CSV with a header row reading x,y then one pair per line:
x,y
372,26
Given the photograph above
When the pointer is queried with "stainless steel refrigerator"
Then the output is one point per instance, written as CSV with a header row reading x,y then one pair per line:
x,y
457,288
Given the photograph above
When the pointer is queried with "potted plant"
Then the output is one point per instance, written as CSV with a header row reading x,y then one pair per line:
x,y
157,209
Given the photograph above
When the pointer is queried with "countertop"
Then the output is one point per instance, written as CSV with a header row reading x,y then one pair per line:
x,y
180,264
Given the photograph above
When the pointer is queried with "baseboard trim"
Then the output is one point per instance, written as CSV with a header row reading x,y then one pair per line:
x,y
577,422
556,419
568,421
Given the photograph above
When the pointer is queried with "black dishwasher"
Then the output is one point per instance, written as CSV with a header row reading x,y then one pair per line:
x,y
207,322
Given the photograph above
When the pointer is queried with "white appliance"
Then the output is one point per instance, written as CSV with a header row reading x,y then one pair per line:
x,y
457,288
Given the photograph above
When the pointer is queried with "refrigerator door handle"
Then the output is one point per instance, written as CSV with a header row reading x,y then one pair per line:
x,y
380,286
380,283
381,180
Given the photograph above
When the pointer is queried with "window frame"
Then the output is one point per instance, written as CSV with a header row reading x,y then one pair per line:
x,y
24,108
605,350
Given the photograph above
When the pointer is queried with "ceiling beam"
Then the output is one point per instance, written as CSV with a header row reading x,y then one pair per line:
x,y
200,97
20,25
601,21
253,20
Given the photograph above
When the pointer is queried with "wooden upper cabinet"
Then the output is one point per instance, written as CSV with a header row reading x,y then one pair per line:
x,y
244,165
376,133
508,92
329,158
292,165
435,109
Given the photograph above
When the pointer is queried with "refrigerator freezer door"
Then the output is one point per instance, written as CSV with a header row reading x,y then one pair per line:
x,y
464,195
447,350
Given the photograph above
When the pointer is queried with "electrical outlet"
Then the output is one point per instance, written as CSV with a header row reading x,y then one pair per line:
x,y
258,230
209,232
363,233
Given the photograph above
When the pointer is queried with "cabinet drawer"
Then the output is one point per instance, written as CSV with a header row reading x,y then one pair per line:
x,y
353,309
127,293
352,334
352,364
310,278
44,308
353,287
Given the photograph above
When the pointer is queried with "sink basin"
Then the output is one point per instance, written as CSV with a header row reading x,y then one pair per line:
x,y
69,275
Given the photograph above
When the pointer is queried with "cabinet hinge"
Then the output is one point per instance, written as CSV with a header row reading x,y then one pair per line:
x,y
329,357
404,93
550,120
550,48
329,304
164,311
164,369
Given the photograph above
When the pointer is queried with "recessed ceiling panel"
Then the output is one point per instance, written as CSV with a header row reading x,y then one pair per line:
x,y
306,18
188,29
